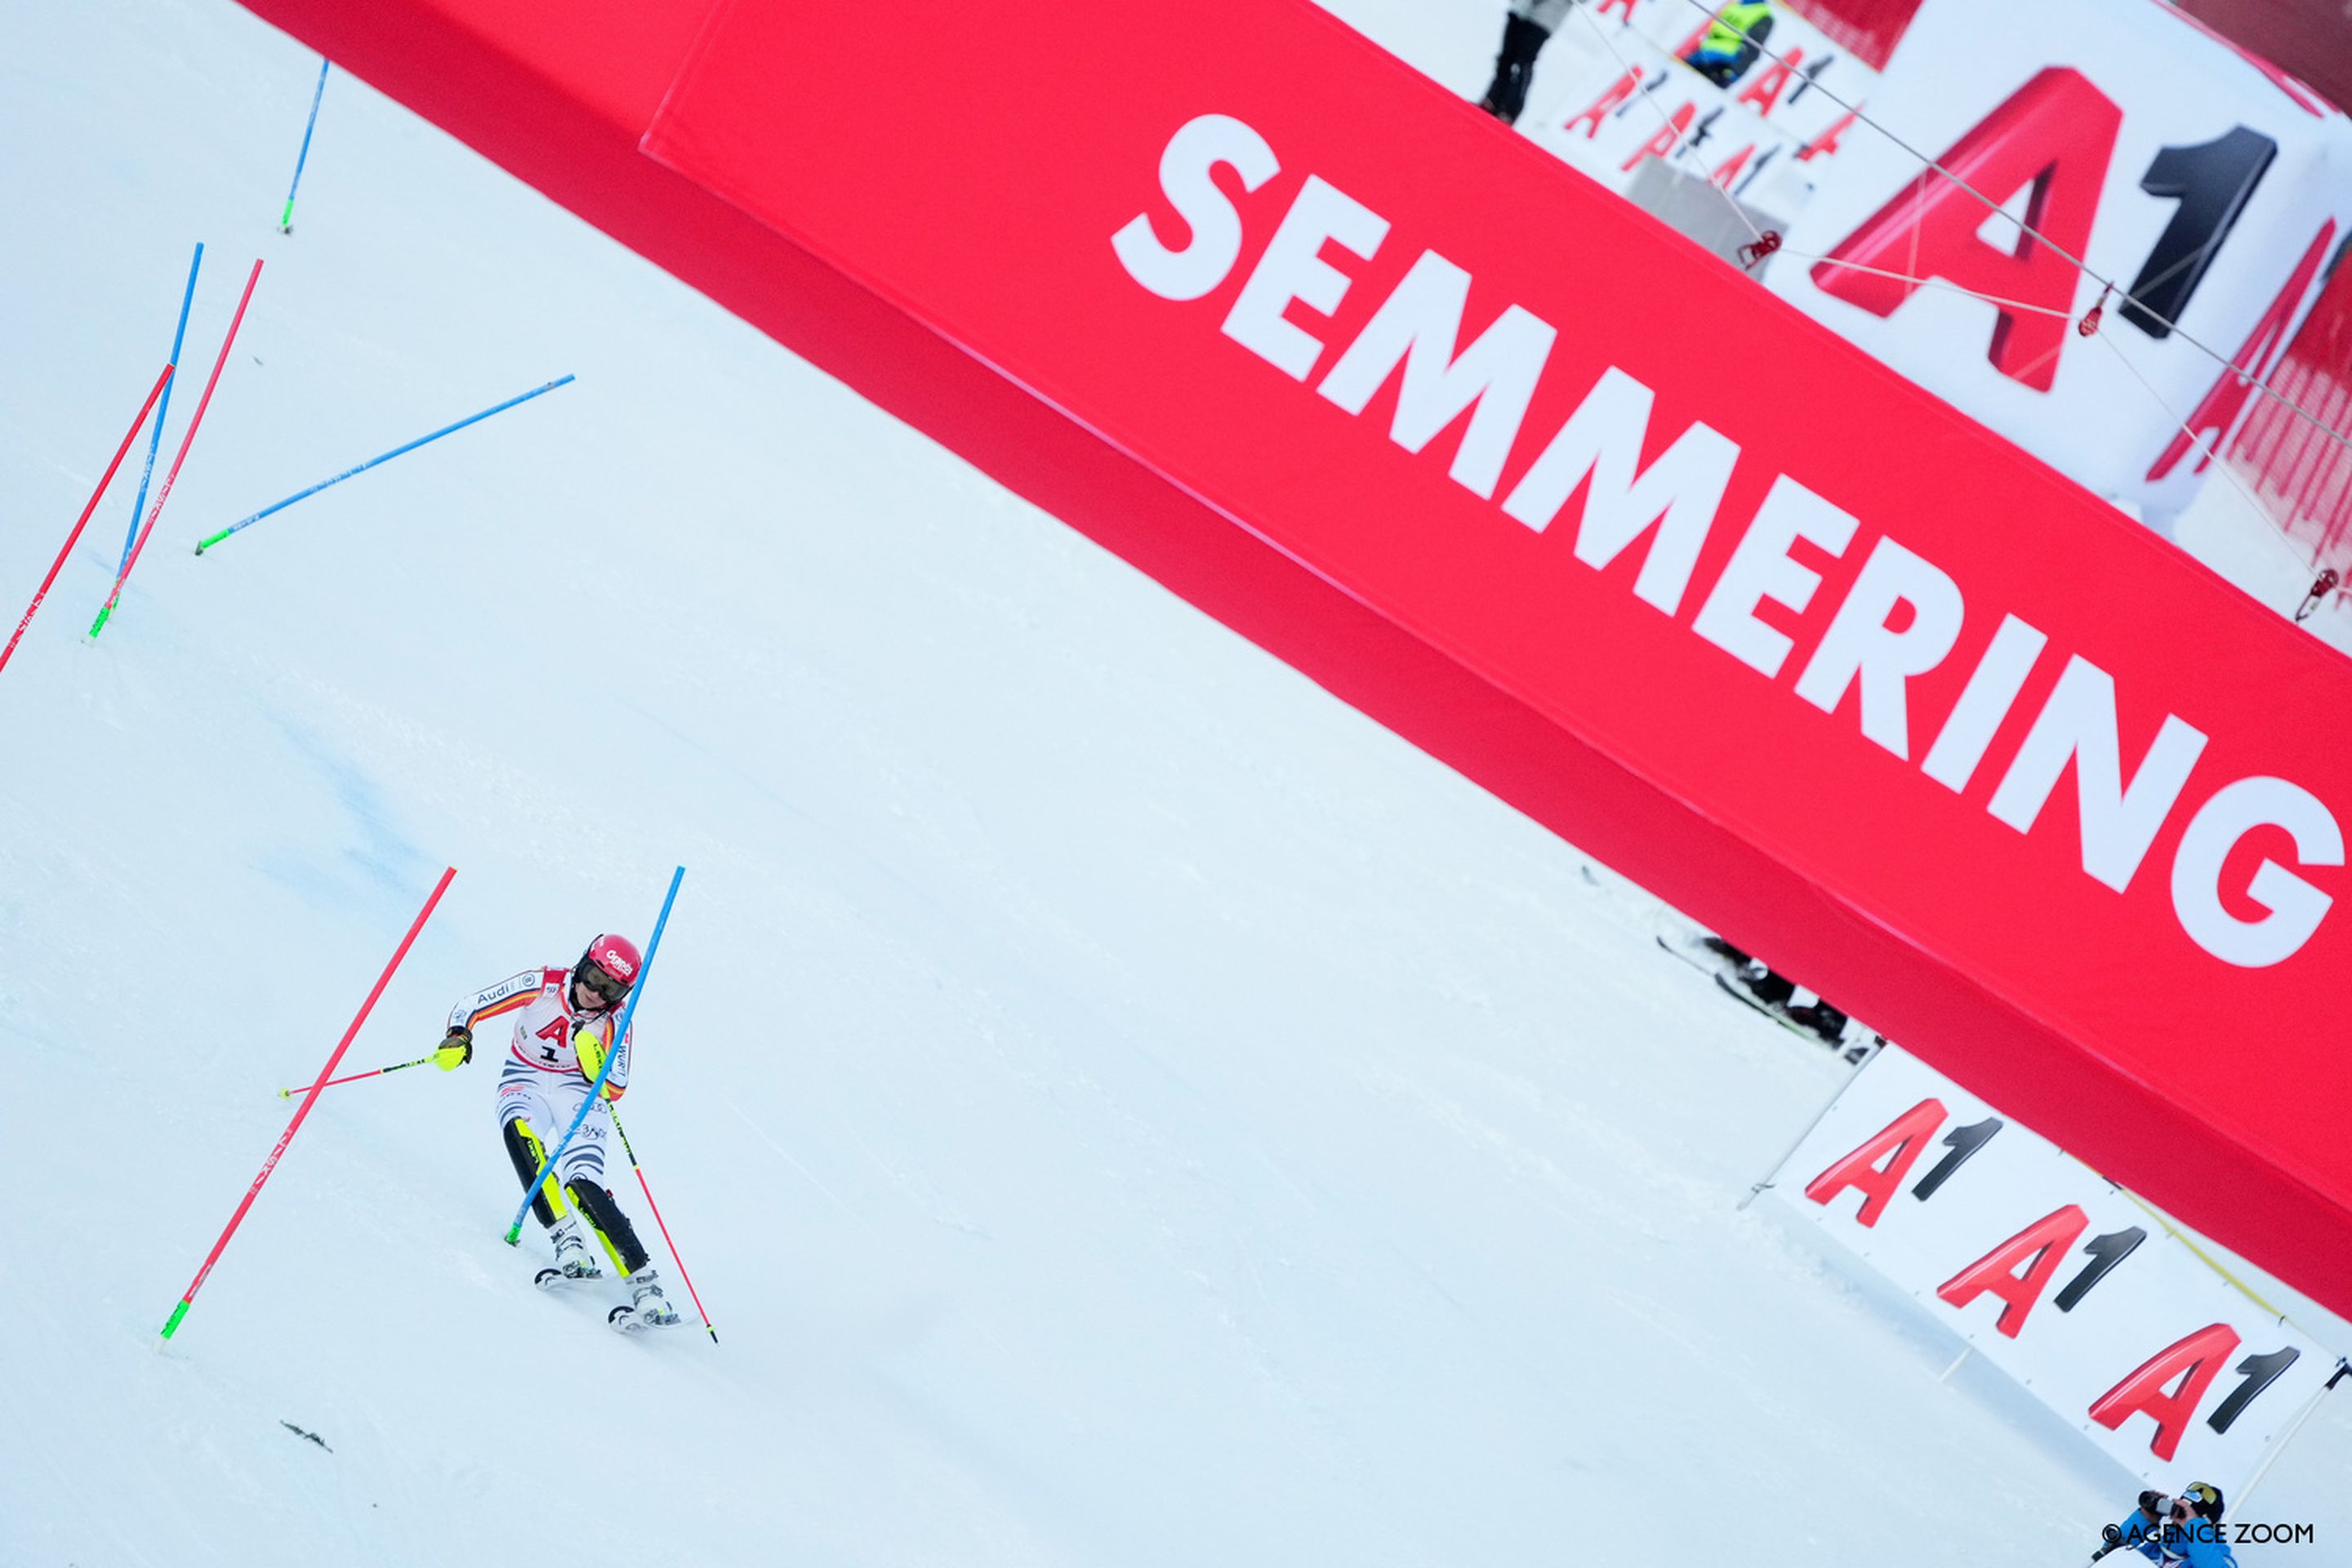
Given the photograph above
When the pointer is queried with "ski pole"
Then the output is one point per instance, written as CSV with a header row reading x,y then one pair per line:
x,y
672,1244
596,1090
286,218
289,1094
188,1297
155,438
153,391
204,544
182,456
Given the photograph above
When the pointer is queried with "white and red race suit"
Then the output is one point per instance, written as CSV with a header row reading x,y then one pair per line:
x,y
540,1082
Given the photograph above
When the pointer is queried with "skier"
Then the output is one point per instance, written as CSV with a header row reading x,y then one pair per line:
x,y
1525,31
564,1025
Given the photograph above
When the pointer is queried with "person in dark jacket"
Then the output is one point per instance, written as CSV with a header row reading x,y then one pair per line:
x,y
1529,26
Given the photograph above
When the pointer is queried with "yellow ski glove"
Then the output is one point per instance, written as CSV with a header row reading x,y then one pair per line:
x,y
456,1050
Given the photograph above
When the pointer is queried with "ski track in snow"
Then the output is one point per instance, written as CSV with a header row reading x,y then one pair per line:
x,y
1119,1105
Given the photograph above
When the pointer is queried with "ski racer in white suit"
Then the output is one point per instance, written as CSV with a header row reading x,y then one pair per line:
x,y
563,1028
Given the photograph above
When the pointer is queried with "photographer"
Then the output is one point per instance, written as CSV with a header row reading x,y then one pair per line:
x,y
2193,1534
2185,1530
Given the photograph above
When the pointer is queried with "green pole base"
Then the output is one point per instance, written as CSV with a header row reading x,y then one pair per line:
x,y
98,625
204,544
514,1236
177,1313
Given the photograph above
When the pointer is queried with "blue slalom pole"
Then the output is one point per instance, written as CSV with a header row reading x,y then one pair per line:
x,y
203,544
286,218
596,1090
156,437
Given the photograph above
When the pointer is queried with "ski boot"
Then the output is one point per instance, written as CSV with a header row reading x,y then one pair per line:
x,y
572,1259
649,1309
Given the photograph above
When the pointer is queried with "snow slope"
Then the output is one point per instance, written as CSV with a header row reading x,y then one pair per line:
x,y
1119,1105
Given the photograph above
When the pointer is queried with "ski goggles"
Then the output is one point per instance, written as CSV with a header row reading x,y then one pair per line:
x,y
592,974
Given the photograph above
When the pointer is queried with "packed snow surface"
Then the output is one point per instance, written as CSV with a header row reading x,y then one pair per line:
x,y
1118,1105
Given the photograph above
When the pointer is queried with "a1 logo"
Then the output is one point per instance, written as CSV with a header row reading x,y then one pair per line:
x,y
2052,139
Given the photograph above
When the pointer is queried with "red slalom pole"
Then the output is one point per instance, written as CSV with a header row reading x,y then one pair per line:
x,y
182,456
656,1207
309,1099
105,480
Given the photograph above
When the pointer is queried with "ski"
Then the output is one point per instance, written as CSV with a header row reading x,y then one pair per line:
x,y
1688,950
1738,993
551,1279
1778,1015
623,1319
1855,1053
627,1319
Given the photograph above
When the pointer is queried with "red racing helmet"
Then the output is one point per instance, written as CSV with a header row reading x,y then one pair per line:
x,y
610,967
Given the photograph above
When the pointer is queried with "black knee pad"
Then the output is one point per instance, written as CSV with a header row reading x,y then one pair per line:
x,y
597,1203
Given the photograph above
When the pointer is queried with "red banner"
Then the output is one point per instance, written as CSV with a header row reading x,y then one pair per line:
x,y
1553,493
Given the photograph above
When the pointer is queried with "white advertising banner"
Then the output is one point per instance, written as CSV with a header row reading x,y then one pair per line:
x,y
2211,188
1613,93
2055,1275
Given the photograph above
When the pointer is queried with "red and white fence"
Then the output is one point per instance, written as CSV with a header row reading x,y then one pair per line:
x,y
2301,468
